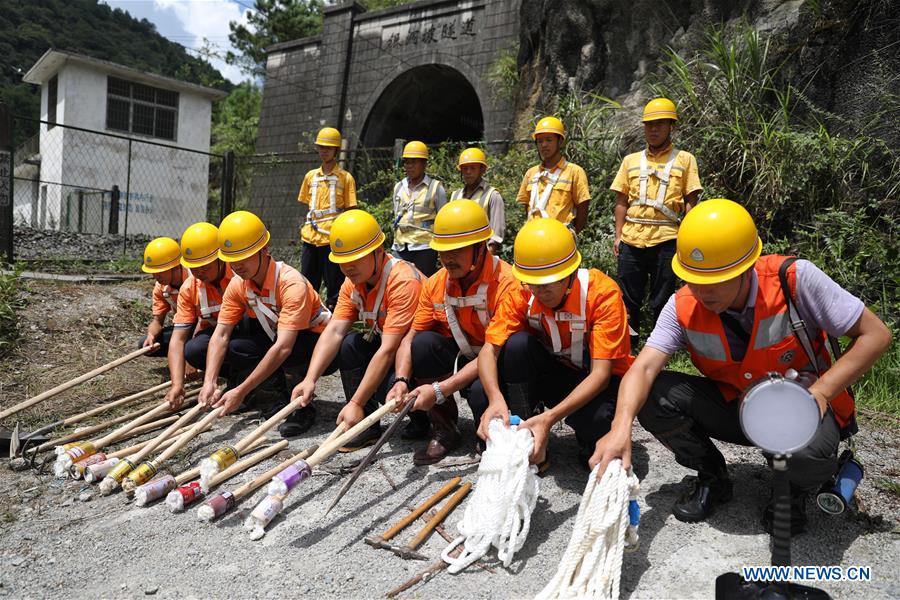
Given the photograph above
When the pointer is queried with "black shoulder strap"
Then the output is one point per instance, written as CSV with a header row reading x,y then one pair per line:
x,y
798,325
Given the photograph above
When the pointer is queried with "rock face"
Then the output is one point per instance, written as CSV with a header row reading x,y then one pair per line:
x,y
844,53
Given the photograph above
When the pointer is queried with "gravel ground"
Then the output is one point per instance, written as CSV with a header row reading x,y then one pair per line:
x,y
58,546
31,244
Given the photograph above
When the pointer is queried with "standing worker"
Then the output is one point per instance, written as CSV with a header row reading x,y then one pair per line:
x,y
436,361
327,191
654,188
555,188
472,166
280,317
560,338
380,291
417,199
740,317
199,303
162,260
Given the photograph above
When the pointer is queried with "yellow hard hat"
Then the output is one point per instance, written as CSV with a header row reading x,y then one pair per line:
x,y
658,109
199,245
329,136
415,149
458,224
354,234
717,241
472,156
549,125
241,235
161,255
544,252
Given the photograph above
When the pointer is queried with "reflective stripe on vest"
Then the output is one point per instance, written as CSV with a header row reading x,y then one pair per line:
x,y
659,205
483,197
477,302
414,215
207,312
316,216
372,315
577,324
537,204
266,309
170,295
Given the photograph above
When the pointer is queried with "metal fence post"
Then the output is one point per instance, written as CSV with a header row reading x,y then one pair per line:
x,y
227,201
6,182
114,210
127,201
80,194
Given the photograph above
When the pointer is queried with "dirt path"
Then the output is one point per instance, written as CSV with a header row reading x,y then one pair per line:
x,y
59,546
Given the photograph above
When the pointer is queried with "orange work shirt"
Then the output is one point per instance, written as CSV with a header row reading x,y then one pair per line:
x,y
165,297
296,302
190,301
431,314
398,306
606,322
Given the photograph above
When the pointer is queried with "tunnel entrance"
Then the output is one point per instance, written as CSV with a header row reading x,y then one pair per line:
x,y
431,103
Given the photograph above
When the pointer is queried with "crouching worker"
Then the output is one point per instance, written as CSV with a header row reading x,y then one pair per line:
x,y
161,260
736,318
199,302
435,362
270,320
381,292
559,338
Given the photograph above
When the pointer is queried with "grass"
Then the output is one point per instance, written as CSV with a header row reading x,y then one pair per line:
x,y
10,302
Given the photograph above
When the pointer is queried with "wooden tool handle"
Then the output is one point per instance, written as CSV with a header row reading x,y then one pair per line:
x,y
253,459
115,404
187,436
129,450
269,423
327,450
186,418
261,480
152,426
73,382
437,497
160,409
440,516
83,432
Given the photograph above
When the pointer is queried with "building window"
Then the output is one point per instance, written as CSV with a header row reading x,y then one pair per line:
x,y
52,88
142,109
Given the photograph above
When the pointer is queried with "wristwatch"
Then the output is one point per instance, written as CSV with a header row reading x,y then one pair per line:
x,y
439,395
404,380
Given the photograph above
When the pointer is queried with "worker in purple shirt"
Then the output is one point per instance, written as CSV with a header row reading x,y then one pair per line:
x,y
734,319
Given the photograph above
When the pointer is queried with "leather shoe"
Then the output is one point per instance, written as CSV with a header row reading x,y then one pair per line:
x,y
298,422
699,504
433,452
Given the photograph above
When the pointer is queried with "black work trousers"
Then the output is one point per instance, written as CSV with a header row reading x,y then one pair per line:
x,y
355,355
162,339
425,260
684,411
639,266
315,266
531,372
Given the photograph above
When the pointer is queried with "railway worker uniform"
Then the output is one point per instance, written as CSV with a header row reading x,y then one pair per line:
x,y
654,188
472,166
436,361
327,191
559,337
416,199
161,260
381,293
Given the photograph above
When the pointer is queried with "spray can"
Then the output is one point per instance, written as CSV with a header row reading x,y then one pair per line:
x,y
154,490
835,496
122,469
289,478
95,473
265,511
80,451
216,506
143,473
183,495
224,457
78,469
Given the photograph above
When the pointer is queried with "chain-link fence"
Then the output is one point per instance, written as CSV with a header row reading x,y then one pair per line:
x,y
71,180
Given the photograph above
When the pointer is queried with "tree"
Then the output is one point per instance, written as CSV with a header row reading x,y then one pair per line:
x,y
271,22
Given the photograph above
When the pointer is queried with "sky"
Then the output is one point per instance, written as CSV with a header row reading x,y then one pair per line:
x,y
188,22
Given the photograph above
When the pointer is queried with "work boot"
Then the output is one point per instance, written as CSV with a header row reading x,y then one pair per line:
x,y
298,422
798,514
269,397
363,440
418,426
445,435
710,489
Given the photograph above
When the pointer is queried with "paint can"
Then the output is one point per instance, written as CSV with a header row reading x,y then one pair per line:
x,y
95,473
143,473
122,469
216,506
154,490
78,469
289,478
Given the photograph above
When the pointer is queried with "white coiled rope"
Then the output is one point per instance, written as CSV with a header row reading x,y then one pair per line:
x,y
592,564
499,512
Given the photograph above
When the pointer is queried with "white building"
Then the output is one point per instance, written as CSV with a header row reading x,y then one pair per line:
x,y
98,115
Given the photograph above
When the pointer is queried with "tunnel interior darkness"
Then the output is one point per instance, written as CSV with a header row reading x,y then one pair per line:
x,y
431,103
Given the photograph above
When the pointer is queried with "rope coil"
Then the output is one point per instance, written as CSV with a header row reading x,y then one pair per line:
x,y
605,527
499,513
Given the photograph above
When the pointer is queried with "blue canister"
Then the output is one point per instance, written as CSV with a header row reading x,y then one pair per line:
x,y
835,500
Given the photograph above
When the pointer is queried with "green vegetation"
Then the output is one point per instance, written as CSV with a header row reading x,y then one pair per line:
x,y
503,74
28,28
10,302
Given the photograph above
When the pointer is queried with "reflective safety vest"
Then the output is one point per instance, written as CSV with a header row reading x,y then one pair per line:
x,y
316,216
537,203
414,213
266,308
577,324
482,196
208,312
773,346
370,318
477,302
170,295
671,217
